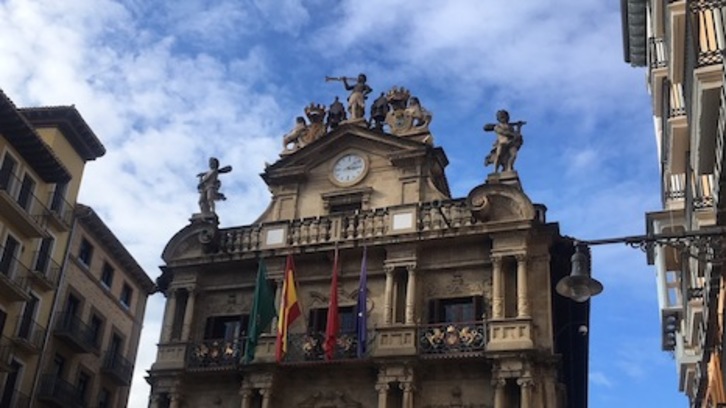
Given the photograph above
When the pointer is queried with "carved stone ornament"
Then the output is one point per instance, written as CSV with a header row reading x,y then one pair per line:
x,y
499,202
330,399
407,116
302,134
457,401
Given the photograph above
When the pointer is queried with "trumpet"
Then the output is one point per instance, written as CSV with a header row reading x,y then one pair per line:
x,y
339,79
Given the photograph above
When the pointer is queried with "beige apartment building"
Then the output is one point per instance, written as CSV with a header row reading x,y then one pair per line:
x,y
43,152
681,44
458,308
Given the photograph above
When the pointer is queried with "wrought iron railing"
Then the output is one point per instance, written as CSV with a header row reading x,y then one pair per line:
x,y
351,226
707,30
60,208
450,338
71,326
215,353
657,55
59,392
118,366
23,196
30,332
310,347
46,267
14,272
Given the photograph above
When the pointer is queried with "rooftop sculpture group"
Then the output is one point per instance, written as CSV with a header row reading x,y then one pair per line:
x,y
395,111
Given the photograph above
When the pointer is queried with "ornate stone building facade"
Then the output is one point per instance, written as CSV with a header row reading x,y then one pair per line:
x,y
460,307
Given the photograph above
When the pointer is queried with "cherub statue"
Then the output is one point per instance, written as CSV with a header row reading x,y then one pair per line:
x,y
506,146
209,185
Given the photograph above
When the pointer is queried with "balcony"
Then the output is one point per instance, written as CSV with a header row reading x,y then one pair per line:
x,y
22,207
117,368
394,222
707,30
510,335
45,273
452,339
29,335
657,72
75,333
215,354
60,212
14,283
58,393
309,347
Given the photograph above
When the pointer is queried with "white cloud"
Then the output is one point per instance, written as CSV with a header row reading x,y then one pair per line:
x,y
599,378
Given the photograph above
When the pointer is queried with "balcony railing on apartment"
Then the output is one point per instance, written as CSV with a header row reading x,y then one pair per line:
x,y
59,209
77,334
452,338
45,270
29,334
350,226
702,189
215,353
657,55
309,347
59,393
707,19
23,198
14,283
118,368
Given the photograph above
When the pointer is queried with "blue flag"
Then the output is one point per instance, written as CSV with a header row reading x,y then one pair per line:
x,y
361,310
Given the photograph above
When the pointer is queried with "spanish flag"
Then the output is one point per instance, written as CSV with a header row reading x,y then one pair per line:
x,y
289,309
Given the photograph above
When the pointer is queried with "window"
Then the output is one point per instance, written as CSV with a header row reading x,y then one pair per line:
x,y
84,381
319,319
107,275
43,255
6,173
7,261
58,365
26,192
126,294
400,282
56,202
73,304
115,347
85,252
226,327
456,310
96,326
104,398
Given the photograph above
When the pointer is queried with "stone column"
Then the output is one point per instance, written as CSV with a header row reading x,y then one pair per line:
x,y
168,316
522,297
497,288
246,394
188,312
382,395
265,392
499,397
387,309
407,388
525,390
410,293
154,401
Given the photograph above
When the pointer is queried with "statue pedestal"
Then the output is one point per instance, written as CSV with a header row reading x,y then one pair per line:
x,y
356,121
209,218
506,177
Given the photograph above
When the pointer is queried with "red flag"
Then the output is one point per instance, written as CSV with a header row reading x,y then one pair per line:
x,y
333,324
289,309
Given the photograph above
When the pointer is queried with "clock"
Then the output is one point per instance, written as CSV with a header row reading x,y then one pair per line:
x,y
349,169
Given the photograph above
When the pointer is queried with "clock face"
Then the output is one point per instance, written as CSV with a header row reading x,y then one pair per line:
x,y
349,168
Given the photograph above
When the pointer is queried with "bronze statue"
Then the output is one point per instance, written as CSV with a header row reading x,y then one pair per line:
x,y
209,185
506,146
358,94
336,114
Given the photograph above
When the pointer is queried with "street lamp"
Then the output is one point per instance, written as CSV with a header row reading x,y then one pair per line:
x,y
705,245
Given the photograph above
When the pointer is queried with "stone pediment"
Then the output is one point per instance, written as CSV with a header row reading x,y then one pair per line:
x,y
293,167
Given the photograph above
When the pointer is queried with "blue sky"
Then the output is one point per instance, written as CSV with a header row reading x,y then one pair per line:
x,y
166,84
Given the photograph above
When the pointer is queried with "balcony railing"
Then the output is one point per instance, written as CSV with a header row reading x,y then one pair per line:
x,y
14,283
20,199
77,334
29,334
452,338
309,347
341,227
59,393
60,210
215,353
118,368
45,270
657,55
708,30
